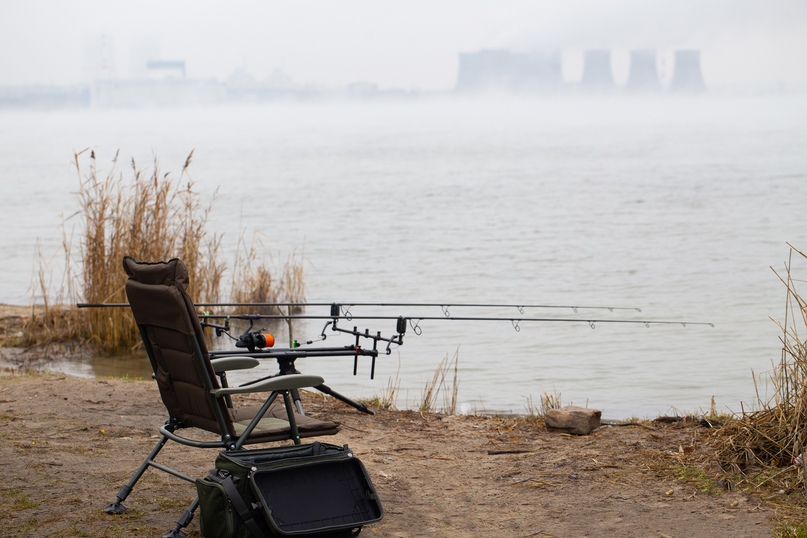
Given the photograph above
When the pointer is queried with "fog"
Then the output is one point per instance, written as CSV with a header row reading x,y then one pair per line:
x,y
746,45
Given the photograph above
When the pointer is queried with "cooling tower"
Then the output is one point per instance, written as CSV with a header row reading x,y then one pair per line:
x,y
597,76
687,75
502,70
643,75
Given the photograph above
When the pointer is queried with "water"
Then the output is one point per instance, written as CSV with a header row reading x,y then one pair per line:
x,y
677,206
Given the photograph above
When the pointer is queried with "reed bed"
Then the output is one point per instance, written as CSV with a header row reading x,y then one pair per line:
x,y
764,447
150,216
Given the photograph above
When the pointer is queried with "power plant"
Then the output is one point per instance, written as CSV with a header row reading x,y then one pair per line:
x,y
519,72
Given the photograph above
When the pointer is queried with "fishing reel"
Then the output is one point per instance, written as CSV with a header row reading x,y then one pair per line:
x,y
249,339
254,339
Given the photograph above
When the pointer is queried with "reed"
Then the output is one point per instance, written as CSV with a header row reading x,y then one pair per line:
x,y
439,386
150,216
253,282
762,447
548,401
388,399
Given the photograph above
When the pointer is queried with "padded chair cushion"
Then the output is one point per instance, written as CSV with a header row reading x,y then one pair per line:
x,y
167,318
165,273
275,421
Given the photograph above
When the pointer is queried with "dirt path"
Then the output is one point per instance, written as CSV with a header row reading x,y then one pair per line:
x,y
68,444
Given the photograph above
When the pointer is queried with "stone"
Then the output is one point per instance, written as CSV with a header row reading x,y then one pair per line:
x,y
572,419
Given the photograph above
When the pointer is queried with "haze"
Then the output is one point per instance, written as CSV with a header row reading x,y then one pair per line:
x,y
411,44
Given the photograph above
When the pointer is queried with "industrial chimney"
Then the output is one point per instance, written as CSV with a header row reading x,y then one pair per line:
x,y
643,75
687,76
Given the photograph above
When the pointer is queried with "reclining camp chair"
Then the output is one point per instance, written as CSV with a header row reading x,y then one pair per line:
x,y
187,379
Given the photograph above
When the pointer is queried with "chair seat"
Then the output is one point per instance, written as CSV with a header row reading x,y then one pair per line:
x,y
275,422
265,425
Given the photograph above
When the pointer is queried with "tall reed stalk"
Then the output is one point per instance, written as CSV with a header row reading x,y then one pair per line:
x,y
439,385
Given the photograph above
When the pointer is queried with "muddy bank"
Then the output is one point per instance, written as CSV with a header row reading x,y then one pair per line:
x,y
69,444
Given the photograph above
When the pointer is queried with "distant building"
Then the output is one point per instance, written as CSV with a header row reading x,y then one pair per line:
x,y
165,84
243,87
597,75
166,92
687,76
503,70
643,75
46,97
165,69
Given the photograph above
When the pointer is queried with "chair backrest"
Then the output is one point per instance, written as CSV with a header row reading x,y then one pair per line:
x,y
175,343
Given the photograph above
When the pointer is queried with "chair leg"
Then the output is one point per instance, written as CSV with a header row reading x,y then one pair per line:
x,y
294,431
117,507
183,521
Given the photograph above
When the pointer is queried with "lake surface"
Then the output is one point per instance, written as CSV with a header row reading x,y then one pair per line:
x,y
677,206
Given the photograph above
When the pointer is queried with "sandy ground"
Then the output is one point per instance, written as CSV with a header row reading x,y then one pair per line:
x,y
69,444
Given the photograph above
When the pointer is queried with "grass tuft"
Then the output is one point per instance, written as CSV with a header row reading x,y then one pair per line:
x,y
439,385
768,441
389,398
763,451
548,401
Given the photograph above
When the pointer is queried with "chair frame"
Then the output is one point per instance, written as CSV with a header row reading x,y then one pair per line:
x,y
219,396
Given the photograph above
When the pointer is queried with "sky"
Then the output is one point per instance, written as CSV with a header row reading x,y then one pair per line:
x,y
396,44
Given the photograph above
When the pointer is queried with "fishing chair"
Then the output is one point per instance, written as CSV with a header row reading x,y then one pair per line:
x,y
194,388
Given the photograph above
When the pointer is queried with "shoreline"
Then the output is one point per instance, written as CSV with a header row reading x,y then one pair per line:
x,y
11,364
43,358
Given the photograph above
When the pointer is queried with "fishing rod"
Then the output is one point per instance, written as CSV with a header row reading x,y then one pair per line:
x,y
254,340
336,314
260,344
412,320
341,311
346,306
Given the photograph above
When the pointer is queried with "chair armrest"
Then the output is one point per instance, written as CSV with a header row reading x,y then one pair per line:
x,y
281,382
233,363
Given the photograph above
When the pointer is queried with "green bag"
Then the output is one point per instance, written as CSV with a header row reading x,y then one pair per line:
x,y
223,513
300,490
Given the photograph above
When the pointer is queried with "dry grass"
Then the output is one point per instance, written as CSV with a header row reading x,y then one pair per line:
x,y
388,399
539,410
439,385
253,282
150,216
759,449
